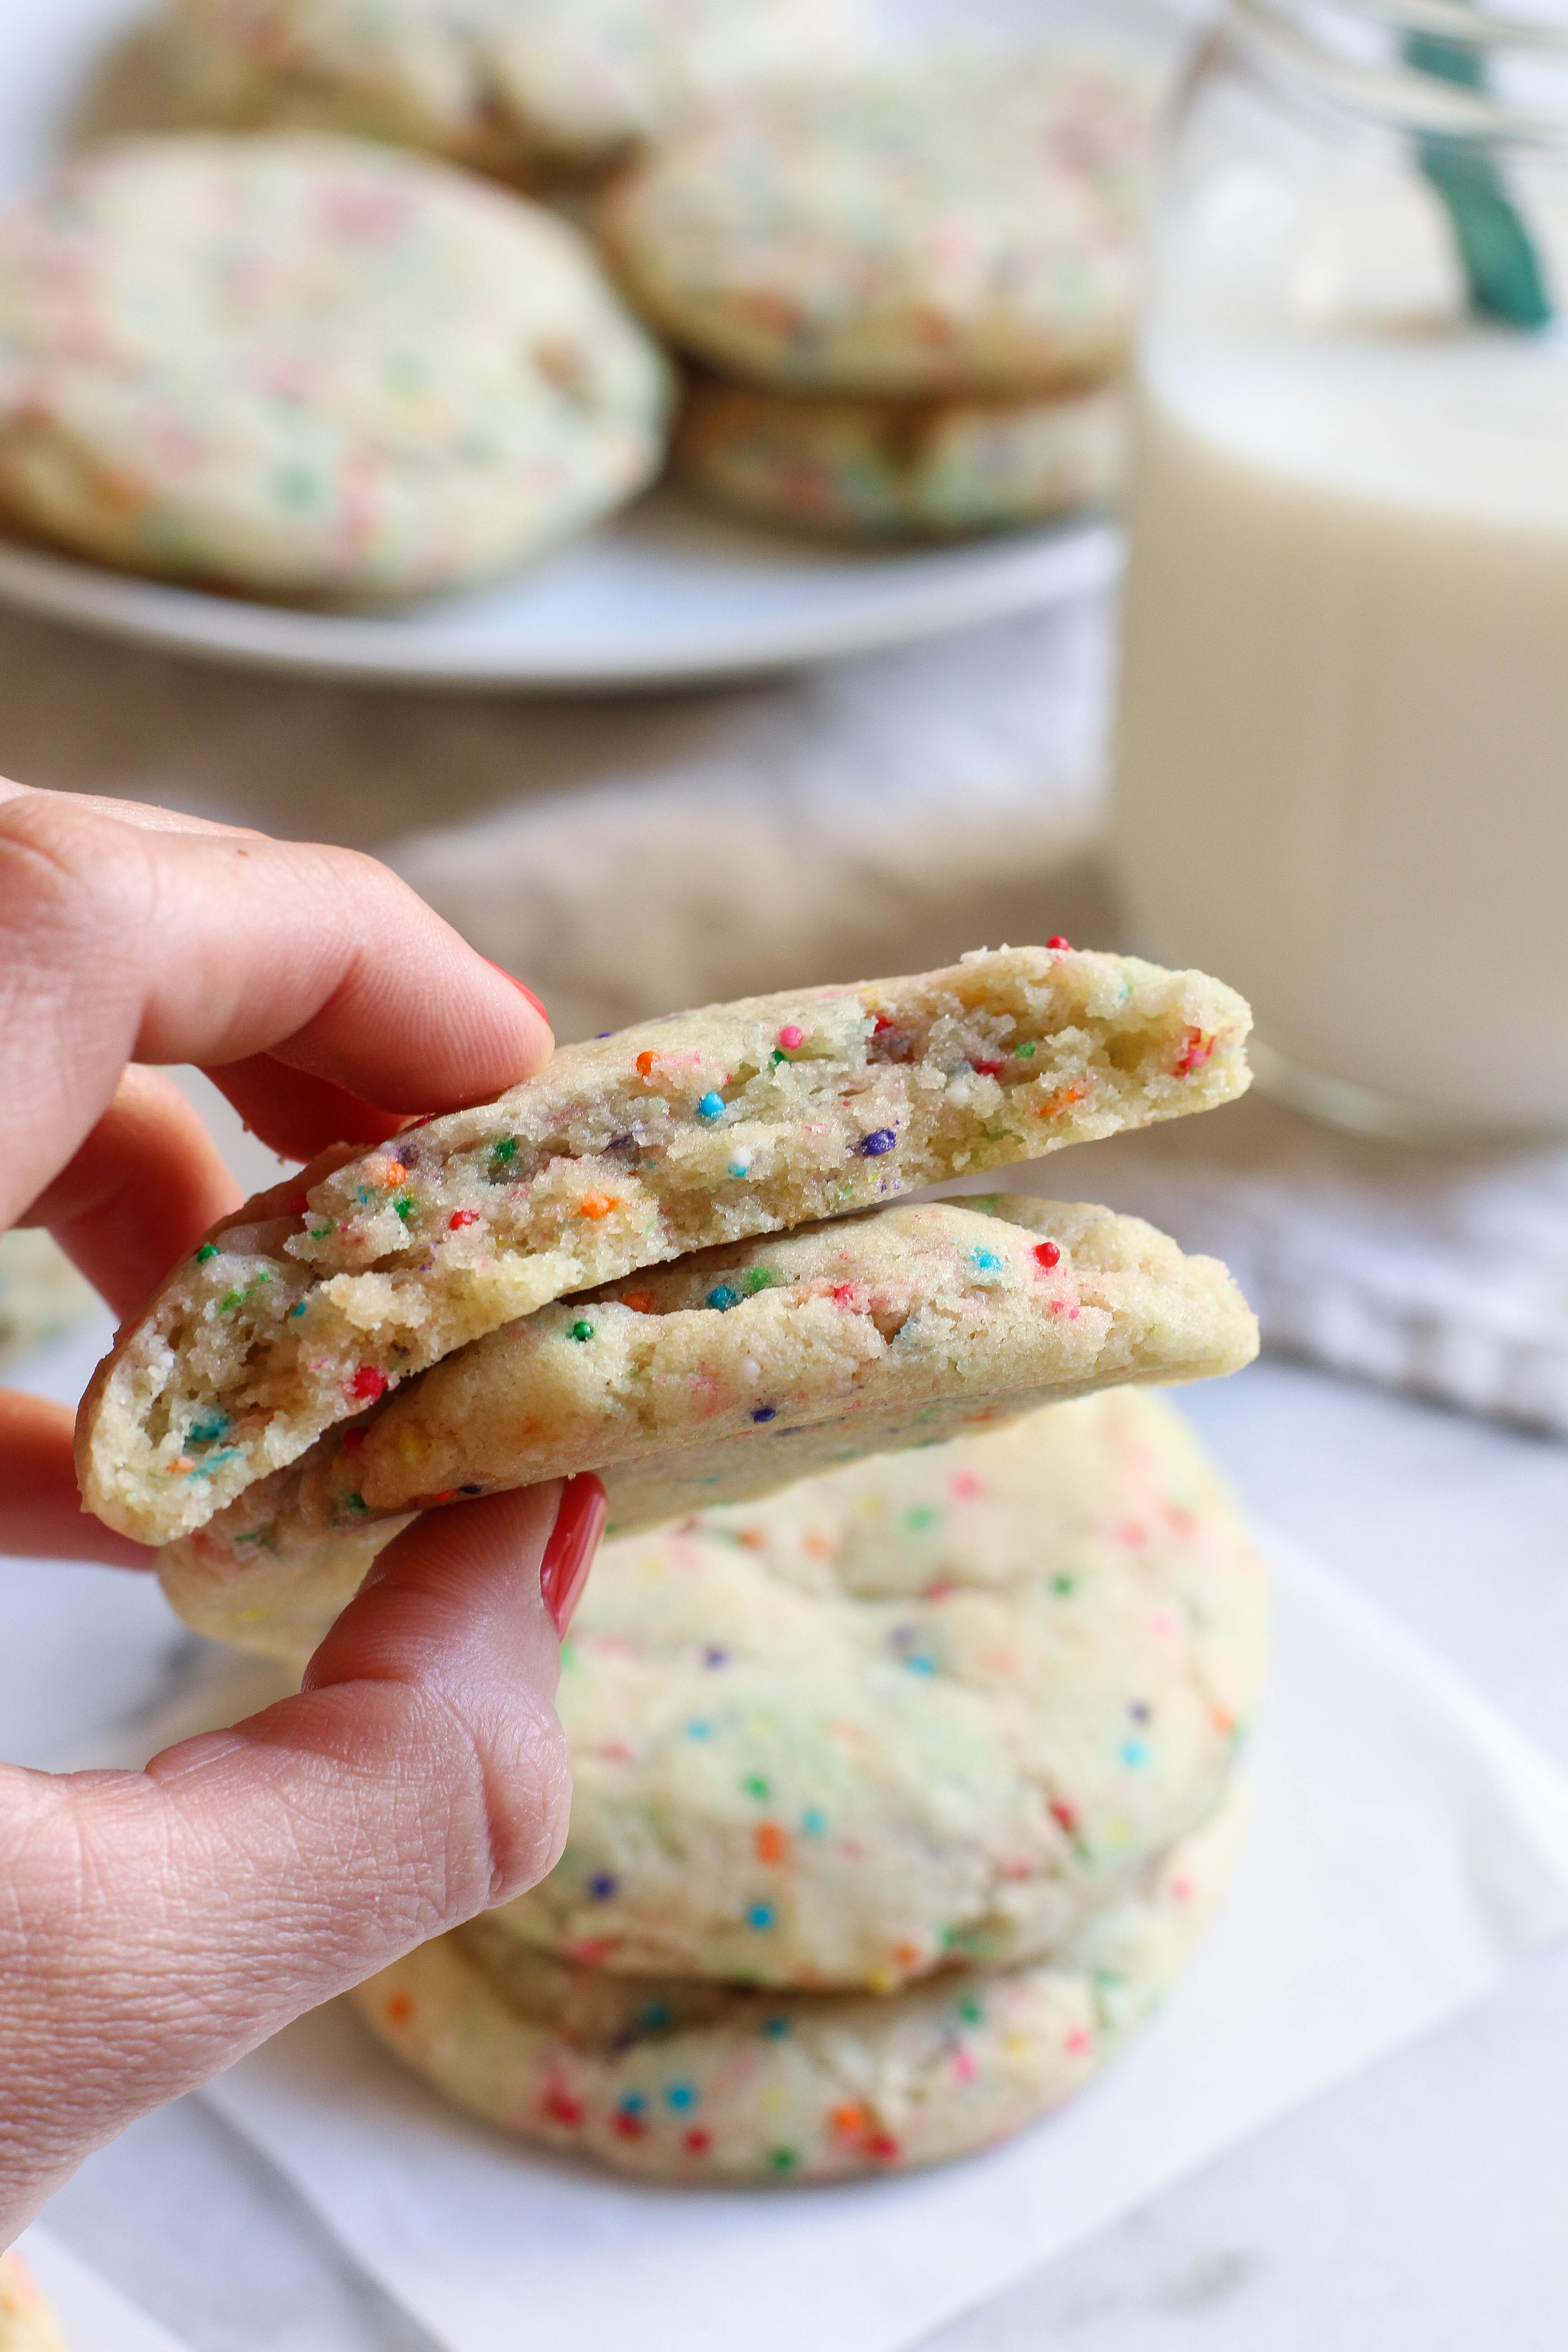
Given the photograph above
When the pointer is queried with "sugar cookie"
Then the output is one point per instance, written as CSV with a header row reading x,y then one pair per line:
x,y
306,367
694,2082
867,469
630,1150
528,87
970,226
40,1290
725,1376
937,1707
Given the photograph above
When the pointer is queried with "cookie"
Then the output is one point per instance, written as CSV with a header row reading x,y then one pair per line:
x,y
725,1376
27,2323
869,468
629,1151
695,2083
40,1291
526,88
971,226
306,367
931,1708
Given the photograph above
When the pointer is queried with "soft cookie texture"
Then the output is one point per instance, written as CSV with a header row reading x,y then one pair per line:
x,y
688,2081
725,1376
307,367
528,87
699,1131
867,469
935,1708
970,226
27,2323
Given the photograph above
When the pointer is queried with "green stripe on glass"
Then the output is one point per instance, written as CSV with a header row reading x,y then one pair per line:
x,y
1502,269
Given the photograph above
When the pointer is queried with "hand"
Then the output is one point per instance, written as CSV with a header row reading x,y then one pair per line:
x,y
155,1926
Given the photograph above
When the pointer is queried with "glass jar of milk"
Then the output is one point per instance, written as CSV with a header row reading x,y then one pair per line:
x,y
1341,758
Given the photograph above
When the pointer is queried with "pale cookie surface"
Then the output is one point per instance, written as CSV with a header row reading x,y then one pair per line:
x,y
868,468
27,2323
971,227
694,2082
630,1150
310,367
936,1708
724,1377
521,87
40,1290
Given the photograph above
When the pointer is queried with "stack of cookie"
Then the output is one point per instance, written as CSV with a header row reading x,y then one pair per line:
x,y
905,298
541,93
312,368
307,366
899,1800
968,1705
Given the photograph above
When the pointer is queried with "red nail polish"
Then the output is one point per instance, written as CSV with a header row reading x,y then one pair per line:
x,y
574,1540
521,987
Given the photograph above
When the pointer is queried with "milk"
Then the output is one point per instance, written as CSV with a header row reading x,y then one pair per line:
x,y
1341,761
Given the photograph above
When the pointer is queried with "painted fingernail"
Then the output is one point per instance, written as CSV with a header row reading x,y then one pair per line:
x,y
521,987
574,1540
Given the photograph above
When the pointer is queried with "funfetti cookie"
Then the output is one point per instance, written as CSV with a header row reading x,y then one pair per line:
x,y
308,367
27,2323
528,87
968,227
685,2082
936,1708
40,1290
727,1375
844,466
677,1135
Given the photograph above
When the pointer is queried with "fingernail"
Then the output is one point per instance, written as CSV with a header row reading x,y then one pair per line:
x,y
521,986
574,1540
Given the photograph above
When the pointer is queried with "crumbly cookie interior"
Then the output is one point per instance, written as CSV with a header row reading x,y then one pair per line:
x,y
630,1150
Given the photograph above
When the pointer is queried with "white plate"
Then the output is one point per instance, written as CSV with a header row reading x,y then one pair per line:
x,y
665,593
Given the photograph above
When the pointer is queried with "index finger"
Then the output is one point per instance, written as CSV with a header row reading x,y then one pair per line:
x,y
128,941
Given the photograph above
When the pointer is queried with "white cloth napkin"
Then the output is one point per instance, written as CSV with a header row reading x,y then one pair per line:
x,y
879,815
94,2317
1406,1845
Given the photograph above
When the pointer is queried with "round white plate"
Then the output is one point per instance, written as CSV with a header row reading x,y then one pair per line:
x,y
666,593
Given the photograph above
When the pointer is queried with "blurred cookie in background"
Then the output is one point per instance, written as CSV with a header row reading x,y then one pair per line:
x,y
533,89
969,226
27,2323
311,368
41,1293
859,466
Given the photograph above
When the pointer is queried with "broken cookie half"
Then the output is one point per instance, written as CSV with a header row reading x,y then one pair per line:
x,y
724,1377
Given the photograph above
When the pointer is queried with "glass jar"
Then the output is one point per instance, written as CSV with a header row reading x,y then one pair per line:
x,y
1342,752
